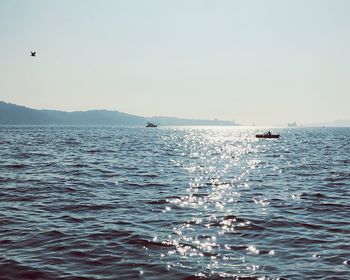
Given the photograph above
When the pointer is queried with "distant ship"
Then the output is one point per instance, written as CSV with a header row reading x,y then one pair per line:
x,y
293,124
149,124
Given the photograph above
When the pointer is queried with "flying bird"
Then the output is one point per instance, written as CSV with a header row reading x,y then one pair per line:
x,y
33,53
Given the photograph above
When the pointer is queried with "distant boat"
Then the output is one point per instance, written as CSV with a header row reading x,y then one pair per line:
x,y
293,124
149,124
267,135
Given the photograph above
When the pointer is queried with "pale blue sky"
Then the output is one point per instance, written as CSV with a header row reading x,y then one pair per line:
x,y
267,62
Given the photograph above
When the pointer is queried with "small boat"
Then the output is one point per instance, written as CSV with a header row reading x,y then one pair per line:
x,y
149,124
267,135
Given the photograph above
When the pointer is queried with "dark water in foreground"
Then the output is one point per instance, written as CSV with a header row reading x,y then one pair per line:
x,y
167,203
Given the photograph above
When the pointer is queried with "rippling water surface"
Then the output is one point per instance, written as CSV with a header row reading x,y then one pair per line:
x,y
174,203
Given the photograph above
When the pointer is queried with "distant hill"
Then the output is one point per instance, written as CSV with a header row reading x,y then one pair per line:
x,y
11,114
14,114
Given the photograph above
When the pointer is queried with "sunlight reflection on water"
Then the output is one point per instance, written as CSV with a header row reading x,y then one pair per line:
x,y
218,173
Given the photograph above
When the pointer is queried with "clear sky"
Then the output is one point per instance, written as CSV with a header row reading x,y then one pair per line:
x,y
263,62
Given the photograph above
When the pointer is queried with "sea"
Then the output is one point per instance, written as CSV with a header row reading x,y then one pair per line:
x,y
109,202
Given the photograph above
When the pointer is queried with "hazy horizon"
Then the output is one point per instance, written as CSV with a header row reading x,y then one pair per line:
x,y
262,62
336,123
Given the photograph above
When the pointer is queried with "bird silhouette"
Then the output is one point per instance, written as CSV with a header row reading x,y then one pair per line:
x,y
33,53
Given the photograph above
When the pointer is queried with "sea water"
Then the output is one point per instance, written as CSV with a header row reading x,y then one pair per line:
x,y
174,203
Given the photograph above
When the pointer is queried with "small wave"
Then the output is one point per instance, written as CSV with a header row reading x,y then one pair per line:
x,y
15,166
79,165
79,254
336,206
317,195
93,151
71,219
136,240
109,235
238,247
157,202
339,230
312,226
58,248
19,198
235,219
303,241
103,261
55,234
12,270
6,242
202,276
156,185
87,207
